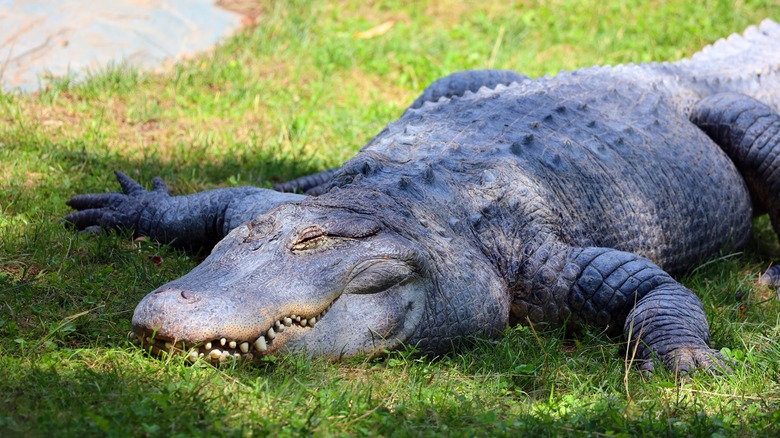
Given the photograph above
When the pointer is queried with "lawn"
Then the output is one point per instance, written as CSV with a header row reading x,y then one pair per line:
x,y
300,91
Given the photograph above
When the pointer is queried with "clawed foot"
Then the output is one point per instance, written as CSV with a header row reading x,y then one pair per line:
x,y
109,211
684,360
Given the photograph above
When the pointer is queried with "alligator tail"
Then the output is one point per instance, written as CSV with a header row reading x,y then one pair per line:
x,y
748,64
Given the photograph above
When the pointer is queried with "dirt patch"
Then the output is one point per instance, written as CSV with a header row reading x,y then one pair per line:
x,y
250,9
21,272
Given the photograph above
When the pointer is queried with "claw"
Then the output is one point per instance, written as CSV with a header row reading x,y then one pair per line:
x,y
83,219
646,368
159,185
90,201
109,211
129,185
686,360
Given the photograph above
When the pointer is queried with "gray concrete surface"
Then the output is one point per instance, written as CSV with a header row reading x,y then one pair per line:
x,y
49,38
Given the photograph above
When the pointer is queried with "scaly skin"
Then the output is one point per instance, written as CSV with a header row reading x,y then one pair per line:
x,y
570,199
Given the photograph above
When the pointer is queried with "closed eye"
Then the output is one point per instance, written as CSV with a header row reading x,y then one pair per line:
x,y
315,237
310,238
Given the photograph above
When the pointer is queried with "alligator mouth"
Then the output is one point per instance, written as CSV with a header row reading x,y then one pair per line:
x,y
223,349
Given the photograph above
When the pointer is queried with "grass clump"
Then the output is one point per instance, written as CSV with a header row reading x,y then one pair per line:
x,y
300,93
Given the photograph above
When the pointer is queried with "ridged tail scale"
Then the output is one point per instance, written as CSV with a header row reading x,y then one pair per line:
x,y
748,64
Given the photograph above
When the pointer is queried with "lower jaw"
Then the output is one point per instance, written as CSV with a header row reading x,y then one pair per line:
x,y
223,350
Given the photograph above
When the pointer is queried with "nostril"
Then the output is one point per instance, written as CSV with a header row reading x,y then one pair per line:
x,y
174,293
187,295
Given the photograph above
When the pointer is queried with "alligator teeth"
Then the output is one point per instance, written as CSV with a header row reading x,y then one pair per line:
x,y
233,348
260,344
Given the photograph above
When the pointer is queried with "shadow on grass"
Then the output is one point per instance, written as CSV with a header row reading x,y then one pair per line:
x,y
113,392
73,399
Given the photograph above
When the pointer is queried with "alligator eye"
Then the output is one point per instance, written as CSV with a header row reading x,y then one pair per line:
x,y
310,238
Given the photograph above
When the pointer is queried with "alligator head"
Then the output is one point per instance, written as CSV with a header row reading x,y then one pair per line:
x,y
325,281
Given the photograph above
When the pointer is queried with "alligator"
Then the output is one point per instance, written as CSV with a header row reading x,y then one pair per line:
x,y
494,200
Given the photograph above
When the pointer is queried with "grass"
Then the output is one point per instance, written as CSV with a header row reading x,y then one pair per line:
x,y
300,93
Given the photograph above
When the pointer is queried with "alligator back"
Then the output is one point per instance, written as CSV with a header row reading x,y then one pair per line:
x,y
612,165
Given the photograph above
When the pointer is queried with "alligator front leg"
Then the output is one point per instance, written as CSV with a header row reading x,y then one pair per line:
x,y
608,288
665,320
197,220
